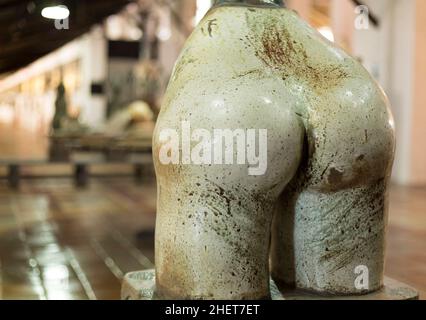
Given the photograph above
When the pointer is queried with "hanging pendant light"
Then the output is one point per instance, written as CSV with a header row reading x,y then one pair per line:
x,y
55,11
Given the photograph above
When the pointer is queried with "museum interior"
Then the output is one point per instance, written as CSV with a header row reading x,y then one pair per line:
x,y
81,87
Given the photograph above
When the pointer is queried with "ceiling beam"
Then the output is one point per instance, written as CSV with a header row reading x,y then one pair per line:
x,y
24,42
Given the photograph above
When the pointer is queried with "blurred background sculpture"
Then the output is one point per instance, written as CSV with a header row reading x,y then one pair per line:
x,y
60,108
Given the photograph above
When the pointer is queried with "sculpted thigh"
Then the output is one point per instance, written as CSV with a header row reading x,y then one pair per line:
x,y
214,218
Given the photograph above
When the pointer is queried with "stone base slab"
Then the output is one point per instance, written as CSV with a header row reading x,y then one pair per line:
x,y
140,285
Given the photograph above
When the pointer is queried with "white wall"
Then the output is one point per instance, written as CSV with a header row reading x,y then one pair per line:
x,y
94,68
388,53
91,51
401,84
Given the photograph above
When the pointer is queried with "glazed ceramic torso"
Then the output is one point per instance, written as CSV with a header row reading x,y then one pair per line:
x,y
330,149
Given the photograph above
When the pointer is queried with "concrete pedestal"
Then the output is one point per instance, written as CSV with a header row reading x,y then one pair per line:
x,y
140,285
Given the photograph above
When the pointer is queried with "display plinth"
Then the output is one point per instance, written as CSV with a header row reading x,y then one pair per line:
x,y
140,285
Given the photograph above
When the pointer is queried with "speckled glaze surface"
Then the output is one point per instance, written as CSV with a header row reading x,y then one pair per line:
x,y
330,151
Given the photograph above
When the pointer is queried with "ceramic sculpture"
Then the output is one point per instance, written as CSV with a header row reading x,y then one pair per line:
x,y
60,108
330,148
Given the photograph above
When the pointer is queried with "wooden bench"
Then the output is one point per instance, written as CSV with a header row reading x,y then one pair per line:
x,y
81,161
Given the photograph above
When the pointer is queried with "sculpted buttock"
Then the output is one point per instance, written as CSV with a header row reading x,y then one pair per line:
x,y
259,71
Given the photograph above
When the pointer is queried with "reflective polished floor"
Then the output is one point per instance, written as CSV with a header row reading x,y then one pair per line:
x,y
58,242
406,241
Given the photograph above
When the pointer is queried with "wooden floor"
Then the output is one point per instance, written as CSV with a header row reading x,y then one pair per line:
x,y
406,249
57,242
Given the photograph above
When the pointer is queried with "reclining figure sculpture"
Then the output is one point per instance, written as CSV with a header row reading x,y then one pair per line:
x,y
319,210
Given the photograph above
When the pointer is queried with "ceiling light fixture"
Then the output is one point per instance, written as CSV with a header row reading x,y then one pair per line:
x,y
55,12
